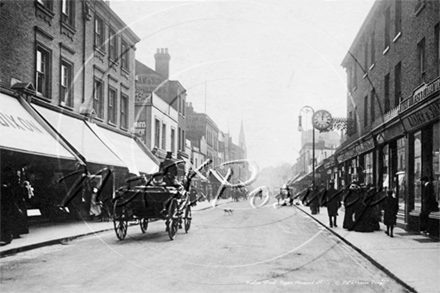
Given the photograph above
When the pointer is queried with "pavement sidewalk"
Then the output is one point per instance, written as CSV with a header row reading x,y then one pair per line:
x,y
411,259
55,233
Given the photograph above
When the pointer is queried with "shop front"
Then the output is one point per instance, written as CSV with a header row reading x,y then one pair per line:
x,y
420,116
31,160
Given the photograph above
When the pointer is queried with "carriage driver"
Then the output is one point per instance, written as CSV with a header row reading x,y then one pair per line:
x,y
170,170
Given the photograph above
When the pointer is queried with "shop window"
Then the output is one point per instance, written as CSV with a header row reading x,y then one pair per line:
x,y
368,162
66,89
401,167
417,169
124,111
98,98
385,167
157,133
112,105
43,72
436,158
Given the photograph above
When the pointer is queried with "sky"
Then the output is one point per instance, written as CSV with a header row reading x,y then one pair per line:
x,y
253,62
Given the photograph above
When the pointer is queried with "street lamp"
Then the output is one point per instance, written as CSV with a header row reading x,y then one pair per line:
x,y
308,109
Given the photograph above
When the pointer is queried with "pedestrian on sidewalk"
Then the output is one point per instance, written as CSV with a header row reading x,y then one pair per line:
x,y
350,199
391,208
333,202
429,203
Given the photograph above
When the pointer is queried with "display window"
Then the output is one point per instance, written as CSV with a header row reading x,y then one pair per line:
x,y
417,169
436,158
368,162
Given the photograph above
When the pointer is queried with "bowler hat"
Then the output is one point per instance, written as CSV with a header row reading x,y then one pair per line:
x,y
169,155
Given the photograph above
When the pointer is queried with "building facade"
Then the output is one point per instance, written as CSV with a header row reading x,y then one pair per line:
x,y
165,129
71,66
393,83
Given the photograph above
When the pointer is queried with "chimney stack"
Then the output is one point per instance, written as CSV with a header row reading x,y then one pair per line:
x,y
163,62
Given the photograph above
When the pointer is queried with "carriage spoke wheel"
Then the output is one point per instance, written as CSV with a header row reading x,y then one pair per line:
x,y
144,224
173,219
188,218
119,222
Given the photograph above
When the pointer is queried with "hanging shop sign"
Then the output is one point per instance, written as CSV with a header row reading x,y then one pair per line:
x,y
420,94
423,116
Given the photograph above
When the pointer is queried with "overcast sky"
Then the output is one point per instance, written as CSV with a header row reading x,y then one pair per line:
x,y
258,61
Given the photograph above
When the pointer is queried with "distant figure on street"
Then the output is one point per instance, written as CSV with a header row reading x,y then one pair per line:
x,y
390,212
333,203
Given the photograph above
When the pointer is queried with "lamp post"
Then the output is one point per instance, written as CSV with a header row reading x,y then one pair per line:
x,y
308,109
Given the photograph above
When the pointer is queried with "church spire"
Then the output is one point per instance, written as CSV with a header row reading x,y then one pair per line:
x,y
241,140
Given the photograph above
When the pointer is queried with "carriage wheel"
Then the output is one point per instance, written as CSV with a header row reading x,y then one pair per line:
x,y
119,222
188,218
173,219
144,224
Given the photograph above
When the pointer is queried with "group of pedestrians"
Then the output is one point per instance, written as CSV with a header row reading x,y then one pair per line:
x,y
363,205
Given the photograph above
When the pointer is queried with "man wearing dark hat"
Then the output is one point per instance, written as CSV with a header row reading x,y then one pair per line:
x,y
169,169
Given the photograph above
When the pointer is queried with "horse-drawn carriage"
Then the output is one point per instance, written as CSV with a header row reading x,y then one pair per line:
x,y
150,200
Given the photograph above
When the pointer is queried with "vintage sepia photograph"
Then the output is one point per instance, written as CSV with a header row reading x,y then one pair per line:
x,y
220,146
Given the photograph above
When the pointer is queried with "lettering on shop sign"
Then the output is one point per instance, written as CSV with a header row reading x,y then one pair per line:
x,y
425,115
420,94
18,123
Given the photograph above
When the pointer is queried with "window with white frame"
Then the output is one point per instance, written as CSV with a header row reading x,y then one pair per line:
x,y
125,55
113,45
66,89
99,33
124,111
42,74
421,60
112,105
156,133
173,139
98,98
387,28
48,4
372,49
68,12
398,17
397,84
164,136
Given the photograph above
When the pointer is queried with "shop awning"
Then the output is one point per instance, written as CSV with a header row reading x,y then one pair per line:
x,y
81,137
21,132
127,149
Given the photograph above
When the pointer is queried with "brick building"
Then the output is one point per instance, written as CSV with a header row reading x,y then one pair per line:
x,y
393,96
71,65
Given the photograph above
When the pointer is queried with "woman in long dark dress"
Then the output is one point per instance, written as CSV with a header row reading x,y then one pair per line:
x,y
350,199
390,212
